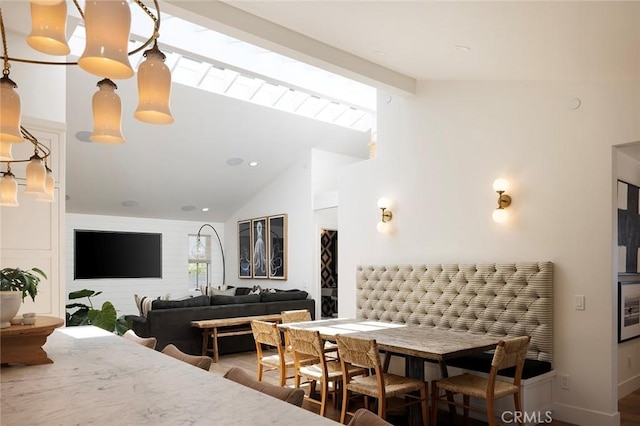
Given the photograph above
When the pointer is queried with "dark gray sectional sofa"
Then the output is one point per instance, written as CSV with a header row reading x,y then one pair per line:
x,y
170,321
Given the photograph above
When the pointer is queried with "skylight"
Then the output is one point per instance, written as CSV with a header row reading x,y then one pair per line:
x,y
204,59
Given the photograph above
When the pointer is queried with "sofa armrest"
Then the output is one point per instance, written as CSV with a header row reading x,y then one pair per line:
x,y
139,325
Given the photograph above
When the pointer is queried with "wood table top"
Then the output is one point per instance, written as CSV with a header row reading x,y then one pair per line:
x,y
419,341
227,322
42,323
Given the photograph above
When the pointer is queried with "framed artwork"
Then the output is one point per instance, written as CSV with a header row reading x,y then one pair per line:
x,y
259,247
245,263
628,311
628,228
278,247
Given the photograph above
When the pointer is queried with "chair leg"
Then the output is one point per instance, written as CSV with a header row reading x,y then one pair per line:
x,y
283,376
260,369
490,416
382,408
324,390
424,396
518,405
434,403
345,403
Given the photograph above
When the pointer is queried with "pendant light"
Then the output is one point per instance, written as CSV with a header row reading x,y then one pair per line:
x,y
107,114
36,176
10,117
8,190
154,88
107,24
48,28
5,151
48,195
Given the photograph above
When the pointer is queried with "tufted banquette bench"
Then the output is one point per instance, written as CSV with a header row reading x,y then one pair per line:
x,y
504,300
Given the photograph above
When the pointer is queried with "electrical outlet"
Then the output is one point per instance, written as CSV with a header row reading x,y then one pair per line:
x,y
565,383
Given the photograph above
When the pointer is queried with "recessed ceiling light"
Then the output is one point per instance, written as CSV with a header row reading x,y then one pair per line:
x,y
235,161
462,47
130,203
188,208
253,164
206,209
379,52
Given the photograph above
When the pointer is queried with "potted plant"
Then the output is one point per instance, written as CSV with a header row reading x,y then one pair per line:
x,y
15,285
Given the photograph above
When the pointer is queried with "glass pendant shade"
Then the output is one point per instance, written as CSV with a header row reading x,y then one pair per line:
x,y
8,190
107,25
107,114
36,176
154,89
5,151
48,28
49,183
10,117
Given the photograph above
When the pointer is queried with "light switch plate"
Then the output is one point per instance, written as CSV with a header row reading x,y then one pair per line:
x,y
580,302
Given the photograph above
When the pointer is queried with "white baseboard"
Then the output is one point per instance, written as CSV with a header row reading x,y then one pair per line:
x,y
584,417
628,386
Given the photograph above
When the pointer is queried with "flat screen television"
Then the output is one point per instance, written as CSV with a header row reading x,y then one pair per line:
x,y
110,254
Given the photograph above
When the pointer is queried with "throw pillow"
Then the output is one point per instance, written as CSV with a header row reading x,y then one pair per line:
x,y
228,292
283,295
235,300
144,303
185,303
255,290
210,291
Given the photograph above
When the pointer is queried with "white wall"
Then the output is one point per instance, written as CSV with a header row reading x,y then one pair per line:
x,y
438,154
289,193
174,279
628,352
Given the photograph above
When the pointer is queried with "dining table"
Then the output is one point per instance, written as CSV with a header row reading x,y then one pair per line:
x,y
415,342
99,378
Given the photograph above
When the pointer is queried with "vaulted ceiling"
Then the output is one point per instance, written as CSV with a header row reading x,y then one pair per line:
x,y
389,44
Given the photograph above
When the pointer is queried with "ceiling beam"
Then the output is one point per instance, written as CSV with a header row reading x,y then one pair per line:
x,y
237,23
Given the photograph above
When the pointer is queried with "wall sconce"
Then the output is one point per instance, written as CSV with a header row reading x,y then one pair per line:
x,y
500,214
383,226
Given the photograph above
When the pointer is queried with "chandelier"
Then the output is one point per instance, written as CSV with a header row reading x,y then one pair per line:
x,y
107,24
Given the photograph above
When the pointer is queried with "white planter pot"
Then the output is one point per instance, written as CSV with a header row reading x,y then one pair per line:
x,y
10,302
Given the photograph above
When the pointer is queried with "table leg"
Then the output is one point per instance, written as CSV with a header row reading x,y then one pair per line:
x,y
215,344
205,341
415,369
444,373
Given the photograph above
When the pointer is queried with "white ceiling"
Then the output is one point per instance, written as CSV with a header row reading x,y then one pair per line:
x,y
392,42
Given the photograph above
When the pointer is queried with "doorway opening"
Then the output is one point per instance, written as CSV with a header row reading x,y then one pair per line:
x,y
329,273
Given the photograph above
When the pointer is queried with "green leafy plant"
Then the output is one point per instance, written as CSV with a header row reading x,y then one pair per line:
x,y
17,279
83,314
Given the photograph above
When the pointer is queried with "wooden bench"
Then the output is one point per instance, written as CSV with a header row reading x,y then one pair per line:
x,y
223,327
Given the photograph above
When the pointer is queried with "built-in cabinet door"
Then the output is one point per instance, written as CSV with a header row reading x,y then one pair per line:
x,y
31,235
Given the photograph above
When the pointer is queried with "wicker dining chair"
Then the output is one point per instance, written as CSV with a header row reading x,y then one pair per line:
x,y
306,344
291,395
364,353
199,361
303,315
508,353
267,333
149,342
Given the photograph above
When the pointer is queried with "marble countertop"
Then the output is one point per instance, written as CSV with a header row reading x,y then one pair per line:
x,y
98,378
